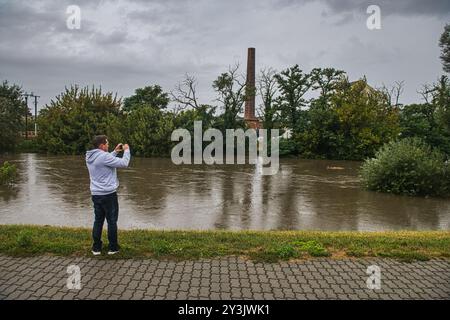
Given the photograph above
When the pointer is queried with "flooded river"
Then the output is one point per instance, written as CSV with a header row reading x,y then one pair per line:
x,y
154,193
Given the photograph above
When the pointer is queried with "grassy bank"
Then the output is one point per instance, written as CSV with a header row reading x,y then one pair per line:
x,y
21,240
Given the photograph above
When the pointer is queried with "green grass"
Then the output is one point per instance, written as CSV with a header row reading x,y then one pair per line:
x,y
23,240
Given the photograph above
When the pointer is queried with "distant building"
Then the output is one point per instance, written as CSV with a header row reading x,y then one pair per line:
x,y
367,88
29,134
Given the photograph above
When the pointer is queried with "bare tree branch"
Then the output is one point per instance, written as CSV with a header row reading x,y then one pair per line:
x,y
267,89
185,93
427,93
393,92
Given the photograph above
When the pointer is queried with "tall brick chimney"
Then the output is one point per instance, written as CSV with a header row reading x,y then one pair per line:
x,y
249,113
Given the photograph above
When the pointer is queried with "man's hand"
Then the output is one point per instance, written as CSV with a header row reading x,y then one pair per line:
x,y
119,147
126,147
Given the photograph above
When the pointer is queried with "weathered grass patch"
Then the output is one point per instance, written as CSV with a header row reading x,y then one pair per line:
x,y
23,240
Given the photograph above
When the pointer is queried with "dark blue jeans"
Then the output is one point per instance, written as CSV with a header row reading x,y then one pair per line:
x,y
107,207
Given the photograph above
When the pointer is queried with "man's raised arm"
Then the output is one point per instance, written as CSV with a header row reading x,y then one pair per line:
x,y
112,161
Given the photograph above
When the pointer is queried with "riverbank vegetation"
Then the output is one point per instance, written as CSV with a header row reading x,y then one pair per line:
x,y
409,166
21,240
8,173
12,111
346,121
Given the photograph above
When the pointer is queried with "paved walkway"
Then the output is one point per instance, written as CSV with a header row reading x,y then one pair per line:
x,y
46,277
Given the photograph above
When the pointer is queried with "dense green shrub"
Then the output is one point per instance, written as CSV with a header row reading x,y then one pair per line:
x,y
408,166
419,120
352,125
149,131
28,146
344,120
287,147
8,172
430,121
150,96
12,115
67,125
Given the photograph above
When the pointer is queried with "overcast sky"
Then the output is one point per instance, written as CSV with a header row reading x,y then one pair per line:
x,y
123,45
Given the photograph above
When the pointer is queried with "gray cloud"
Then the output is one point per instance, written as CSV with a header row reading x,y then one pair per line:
x,y
388,7
114,38
123,44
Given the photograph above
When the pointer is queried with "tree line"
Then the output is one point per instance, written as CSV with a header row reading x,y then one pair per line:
x,y
344,120
327,115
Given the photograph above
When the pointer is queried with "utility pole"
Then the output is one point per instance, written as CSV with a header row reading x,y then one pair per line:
x,y
35,114
26,115
31,95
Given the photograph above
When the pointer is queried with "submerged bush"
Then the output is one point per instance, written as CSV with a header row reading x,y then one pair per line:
x,y
8,173
408,166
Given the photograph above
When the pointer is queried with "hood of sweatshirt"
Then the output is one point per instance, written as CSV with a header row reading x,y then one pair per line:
x,y
92,155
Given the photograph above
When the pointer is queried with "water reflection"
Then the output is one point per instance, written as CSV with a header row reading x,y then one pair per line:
x,y
154,193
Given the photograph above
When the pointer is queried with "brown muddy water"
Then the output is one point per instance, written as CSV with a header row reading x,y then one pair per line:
x,y
156,194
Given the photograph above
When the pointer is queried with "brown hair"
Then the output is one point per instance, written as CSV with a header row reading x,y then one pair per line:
x,y
98,140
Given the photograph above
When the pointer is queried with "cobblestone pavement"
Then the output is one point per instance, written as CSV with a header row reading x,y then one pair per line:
x,y
45,277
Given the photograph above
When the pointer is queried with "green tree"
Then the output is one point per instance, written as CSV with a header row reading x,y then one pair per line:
x,y
185,118
441,99
67,125
152,96
430,121
366,119
418,120
268,90
347,120
149,131
232,95
444,43
293,84
317,135
326,81
12,112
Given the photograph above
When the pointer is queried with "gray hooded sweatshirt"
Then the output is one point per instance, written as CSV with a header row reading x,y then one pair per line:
x,y
102,170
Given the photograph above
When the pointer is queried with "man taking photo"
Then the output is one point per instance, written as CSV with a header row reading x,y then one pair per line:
x,y
104,183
